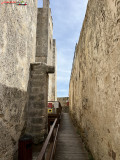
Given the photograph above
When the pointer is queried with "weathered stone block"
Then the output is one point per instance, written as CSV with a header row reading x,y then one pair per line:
x,y
38,97
38,83
37,113
50,69
46,47
36,76
39,137
40,120
35,90
37,105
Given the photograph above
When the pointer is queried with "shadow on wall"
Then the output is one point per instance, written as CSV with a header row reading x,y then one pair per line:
x,y
12,119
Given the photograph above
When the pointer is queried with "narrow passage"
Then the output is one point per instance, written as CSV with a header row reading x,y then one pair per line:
x,y
69,145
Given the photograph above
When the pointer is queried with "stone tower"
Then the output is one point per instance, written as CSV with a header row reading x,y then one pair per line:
x,y
46,3
46,45
42,77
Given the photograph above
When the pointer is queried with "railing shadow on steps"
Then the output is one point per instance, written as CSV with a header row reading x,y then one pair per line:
x,y
47,153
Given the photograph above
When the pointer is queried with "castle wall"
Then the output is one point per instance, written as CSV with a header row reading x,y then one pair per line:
x,y
54,86
46,3
42,35
46,46
51,59
17,51
37,113
94,93
64,101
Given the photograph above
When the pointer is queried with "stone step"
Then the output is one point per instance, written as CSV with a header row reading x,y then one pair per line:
x,y
37,83
36,76
37,71
37,113
35,91
37,80
35,128
43,131
37,136
36,121
41,125
38,66
36,105
36,98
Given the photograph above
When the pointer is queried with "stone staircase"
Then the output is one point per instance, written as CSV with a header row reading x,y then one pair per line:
x,y
37,101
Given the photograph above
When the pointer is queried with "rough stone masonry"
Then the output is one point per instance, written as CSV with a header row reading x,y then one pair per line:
x,y
94,93
37,111
46,46
18,26
17,51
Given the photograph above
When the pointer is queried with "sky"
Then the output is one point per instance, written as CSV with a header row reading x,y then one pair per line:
x,y
68,16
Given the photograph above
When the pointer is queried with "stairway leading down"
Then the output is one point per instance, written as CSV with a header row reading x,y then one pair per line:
x,y
69,144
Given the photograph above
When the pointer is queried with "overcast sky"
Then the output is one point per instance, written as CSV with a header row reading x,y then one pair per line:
x,y
68,16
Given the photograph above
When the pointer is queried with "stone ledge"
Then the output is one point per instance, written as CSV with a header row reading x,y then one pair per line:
x,y
40,67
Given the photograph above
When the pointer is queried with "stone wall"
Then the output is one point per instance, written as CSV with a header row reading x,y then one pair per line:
x,y
42,35
46,45
17,51
37,115
54,76
94,92
52,89
51,59
64,101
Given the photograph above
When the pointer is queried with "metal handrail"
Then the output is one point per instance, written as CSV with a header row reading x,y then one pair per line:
x,y
42,153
